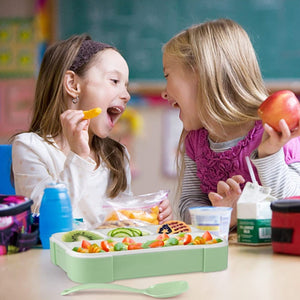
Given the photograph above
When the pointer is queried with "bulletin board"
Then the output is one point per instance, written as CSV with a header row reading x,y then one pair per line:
x,y
139,28
18,48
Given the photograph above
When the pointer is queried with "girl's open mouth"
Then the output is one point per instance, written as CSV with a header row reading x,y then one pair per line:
x,y
114,112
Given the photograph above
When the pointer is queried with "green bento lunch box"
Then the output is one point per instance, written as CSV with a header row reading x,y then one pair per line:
x,y
118,265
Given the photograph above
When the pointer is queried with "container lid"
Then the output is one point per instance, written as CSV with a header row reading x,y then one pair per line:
x,y
286,205
210,208
11,205
56,185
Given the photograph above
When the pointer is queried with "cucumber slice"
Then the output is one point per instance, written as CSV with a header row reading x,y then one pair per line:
x,y
131,232
121,235
121,232
110,232
136,231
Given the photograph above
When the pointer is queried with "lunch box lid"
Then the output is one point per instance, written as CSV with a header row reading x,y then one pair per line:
x,y
11,205
287,205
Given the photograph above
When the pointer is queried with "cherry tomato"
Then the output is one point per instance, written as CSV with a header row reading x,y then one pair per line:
x,y
187,239
105,246
162,237
85,244
128,241
207,236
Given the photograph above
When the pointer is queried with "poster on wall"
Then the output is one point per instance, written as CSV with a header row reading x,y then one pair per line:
x,y
18,48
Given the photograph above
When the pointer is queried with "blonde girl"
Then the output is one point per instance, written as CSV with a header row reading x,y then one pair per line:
x,y
214,79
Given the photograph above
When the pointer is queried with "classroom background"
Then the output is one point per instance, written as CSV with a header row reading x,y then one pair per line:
x,y
150,128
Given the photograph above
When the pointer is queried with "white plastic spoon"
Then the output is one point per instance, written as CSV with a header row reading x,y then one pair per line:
x,y
160,290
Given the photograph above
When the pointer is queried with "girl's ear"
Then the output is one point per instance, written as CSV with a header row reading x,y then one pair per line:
x,y
71,84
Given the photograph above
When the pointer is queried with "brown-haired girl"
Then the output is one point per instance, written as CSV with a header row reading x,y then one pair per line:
x,y
76,75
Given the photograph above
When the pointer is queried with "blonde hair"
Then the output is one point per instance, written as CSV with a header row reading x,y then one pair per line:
x,y
49,104
230,85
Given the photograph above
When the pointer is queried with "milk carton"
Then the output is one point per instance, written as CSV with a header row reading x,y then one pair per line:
x,y
254,215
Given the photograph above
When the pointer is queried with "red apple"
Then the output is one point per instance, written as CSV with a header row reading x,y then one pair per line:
x,y
280,105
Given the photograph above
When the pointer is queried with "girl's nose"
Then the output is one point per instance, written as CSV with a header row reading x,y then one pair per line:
x,y
126,95
164,95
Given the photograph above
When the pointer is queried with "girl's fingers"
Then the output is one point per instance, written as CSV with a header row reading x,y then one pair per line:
x,y
269,130
296,131
234,186
238,178
71,116
164,204
165,210
222,188
231,184
214,197
82,125
285,131
165,215
72,122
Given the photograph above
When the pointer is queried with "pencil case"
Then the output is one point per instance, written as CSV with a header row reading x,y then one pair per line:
x,y
286,225
16,231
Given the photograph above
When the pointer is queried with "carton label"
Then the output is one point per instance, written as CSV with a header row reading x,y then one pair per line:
x,y
254,231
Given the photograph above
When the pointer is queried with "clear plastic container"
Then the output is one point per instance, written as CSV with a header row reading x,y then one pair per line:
x,y
216,220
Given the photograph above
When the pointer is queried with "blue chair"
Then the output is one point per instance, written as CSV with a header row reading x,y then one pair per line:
x,y
6,187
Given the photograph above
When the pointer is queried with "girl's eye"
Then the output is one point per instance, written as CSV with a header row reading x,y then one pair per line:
x,y
115,81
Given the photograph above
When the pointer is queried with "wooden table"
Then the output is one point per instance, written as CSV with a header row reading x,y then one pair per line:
x,y
254,272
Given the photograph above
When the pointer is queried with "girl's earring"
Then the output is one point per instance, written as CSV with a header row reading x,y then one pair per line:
x,y
75,100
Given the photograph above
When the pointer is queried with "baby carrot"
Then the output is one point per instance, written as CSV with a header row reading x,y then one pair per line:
x,y
89,114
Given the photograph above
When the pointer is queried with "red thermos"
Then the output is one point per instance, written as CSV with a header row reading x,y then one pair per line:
x,y
286,225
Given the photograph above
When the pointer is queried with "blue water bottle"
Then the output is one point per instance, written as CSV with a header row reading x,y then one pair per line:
x,y
55,212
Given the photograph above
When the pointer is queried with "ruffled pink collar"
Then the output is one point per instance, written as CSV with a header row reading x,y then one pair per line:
x,y
215,166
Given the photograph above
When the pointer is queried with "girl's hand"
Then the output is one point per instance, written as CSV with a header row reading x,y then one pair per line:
x,y
273,141
228,194
75,130
165,211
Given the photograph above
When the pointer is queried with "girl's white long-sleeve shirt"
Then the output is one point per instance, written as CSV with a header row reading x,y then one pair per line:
x,y
36,163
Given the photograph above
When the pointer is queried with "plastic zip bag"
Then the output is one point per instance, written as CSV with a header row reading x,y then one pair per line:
x,y
140,210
